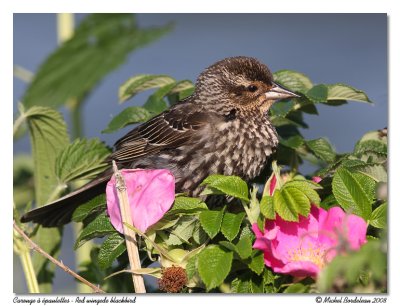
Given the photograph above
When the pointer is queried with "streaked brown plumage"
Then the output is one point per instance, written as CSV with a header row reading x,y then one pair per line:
x,y
222,128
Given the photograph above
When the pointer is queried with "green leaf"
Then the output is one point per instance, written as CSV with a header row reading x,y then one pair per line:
x,y
308,188
231,225
282,108
211,221
278,121
244,247
100,44
230,185
379,216
229,245
187,205
293,142
302,183
367,183
199,235
99,227
82,159
182,86
96,204
267,207
110,250
293,80
322,149
317,94
257,262
290,202
141,83
129,115
155,103
350,193
371,145
214,264
183,230
376,172
248,283
346,92
191,267
48,136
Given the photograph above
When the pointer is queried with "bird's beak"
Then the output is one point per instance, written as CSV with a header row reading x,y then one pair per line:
x,y
277,92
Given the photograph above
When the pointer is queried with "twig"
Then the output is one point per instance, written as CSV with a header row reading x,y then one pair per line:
x,y
38,249
130,235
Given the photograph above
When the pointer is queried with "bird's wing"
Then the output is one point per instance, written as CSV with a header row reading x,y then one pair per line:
x,y
170,129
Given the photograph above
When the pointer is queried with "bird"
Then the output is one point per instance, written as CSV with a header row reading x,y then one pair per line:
x,y
222,128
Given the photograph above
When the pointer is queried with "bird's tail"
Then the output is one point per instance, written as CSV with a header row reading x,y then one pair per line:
x,y
60,212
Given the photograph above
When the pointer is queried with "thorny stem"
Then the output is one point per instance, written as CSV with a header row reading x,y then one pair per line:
x,y
38,249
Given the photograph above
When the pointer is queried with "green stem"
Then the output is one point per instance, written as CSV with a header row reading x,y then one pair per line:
x,y
82,255
18,122
24,255
30,275
75,108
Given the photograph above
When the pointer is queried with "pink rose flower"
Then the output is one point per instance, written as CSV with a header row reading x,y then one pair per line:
x,y
150,193
316,179
303,248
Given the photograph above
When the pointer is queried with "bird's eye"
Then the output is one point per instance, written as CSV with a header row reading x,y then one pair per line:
x,y
252,88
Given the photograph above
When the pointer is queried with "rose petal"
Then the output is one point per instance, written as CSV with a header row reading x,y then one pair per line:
x,y
316,179
299,268
302,248
150,193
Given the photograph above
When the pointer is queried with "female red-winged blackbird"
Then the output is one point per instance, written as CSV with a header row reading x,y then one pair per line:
x,y
222,128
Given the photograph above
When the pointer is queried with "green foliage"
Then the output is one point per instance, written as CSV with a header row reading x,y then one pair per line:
x,y
293,80
110,250
187,205
293,199
99,227
82,159
214,264
94,205
346,92
354,192
322,149
129,115
211,221
232,186
379,216
48,134
100,44
231,225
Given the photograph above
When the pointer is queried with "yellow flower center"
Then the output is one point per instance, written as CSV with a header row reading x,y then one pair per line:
x,y
309,252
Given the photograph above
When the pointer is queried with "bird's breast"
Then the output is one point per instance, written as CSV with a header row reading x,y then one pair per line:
x,y
234,147
244,146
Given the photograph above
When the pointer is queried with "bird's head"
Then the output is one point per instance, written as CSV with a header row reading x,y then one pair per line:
x,y
240,83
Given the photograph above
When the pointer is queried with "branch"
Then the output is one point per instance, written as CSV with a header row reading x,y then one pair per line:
x,y
130,235
38,249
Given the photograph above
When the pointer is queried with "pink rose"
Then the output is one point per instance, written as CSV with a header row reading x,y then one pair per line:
x,y
303,248
150,193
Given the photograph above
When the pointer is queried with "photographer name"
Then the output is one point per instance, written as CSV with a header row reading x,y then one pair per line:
x,y
346,299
